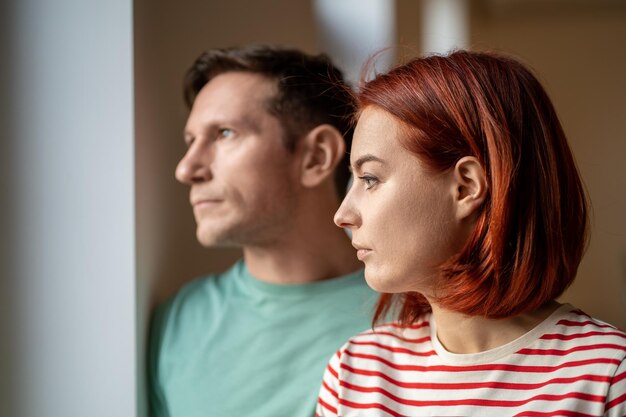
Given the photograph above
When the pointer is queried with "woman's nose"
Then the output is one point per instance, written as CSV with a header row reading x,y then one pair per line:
x,y
347,216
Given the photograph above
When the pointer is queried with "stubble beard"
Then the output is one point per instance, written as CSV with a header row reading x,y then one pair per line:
x,y
252,230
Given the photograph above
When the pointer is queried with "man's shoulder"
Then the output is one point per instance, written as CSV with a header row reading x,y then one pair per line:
x,y
196,298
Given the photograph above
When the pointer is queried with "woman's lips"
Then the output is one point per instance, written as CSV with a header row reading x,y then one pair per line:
x,y
362,253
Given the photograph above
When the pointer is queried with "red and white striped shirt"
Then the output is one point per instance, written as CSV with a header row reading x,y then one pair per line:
x,y
569,365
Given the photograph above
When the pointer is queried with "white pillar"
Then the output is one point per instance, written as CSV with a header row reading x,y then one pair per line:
x,y
445,25
351,31
68,267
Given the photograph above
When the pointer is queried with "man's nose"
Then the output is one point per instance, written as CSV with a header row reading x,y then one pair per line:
x,y
195,165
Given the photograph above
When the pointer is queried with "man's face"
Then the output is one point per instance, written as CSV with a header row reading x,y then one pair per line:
x,y
243,180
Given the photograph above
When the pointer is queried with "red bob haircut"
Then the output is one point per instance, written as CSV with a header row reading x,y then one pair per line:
x,y
531,232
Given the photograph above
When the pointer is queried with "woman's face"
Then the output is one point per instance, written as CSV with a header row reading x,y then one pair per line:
x,y
401,215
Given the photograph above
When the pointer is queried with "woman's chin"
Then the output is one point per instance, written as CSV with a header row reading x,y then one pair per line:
x,y
379,283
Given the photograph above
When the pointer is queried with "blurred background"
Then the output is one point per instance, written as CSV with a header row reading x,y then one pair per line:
x,y
96,231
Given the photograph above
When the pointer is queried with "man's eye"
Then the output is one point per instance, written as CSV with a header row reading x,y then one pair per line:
x,y
225,133
369,180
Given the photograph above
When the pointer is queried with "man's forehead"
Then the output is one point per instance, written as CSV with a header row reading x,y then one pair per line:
x,y
249,84
235,92
240,98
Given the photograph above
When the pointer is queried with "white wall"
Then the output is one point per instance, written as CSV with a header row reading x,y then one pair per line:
x,y
352,31
445,25
68,269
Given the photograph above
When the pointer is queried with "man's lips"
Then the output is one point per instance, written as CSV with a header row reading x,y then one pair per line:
x,y
204,202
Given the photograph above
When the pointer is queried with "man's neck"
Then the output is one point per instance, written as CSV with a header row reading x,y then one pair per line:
x,y
302,260
312,249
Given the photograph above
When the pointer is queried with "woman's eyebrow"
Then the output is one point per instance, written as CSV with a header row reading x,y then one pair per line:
x,y
366,158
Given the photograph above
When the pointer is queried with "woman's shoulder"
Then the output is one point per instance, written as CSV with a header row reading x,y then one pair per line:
x,y
575,323
572,334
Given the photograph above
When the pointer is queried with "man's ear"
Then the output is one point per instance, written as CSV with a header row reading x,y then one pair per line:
x,y
322,149
470,187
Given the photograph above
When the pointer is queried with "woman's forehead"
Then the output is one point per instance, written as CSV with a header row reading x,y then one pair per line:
x,y
376,134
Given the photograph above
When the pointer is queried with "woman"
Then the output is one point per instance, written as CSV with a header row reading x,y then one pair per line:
x,y
470,216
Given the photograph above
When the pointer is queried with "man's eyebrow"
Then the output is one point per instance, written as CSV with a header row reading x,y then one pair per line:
x,y
243,122
366,158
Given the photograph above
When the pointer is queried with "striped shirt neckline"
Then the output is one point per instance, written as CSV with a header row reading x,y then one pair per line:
x,y
499,352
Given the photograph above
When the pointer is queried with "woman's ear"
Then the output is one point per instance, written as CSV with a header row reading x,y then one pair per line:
x,y
322,149
470,187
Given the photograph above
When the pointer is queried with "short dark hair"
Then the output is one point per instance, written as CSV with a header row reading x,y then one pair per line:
x,y
311,91
532,229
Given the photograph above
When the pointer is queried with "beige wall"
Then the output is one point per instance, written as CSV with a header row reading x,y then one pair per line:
x,y
169,35
577,48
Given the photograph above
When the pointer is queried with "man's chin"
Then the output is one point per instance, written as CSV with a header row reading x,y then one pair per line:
x,y
213,240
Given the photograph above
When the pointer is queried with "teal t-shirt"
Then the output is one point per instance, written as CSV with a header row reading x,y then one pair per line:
x,y
230,345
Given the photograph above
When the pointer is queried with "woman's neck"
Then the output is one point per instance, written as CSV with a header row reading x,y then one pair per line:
x,y
459,333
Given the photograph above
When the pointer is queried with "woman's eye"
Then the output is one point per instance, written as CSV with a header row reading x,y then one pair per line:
x,y
369,181
225,133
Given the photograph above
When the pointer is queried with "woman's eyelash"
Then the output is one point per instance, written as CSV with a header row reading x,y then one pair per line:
x,y
369,181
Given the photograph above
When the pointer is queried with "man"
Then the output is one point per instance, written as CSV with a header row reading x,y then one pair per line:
x,y
267,166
